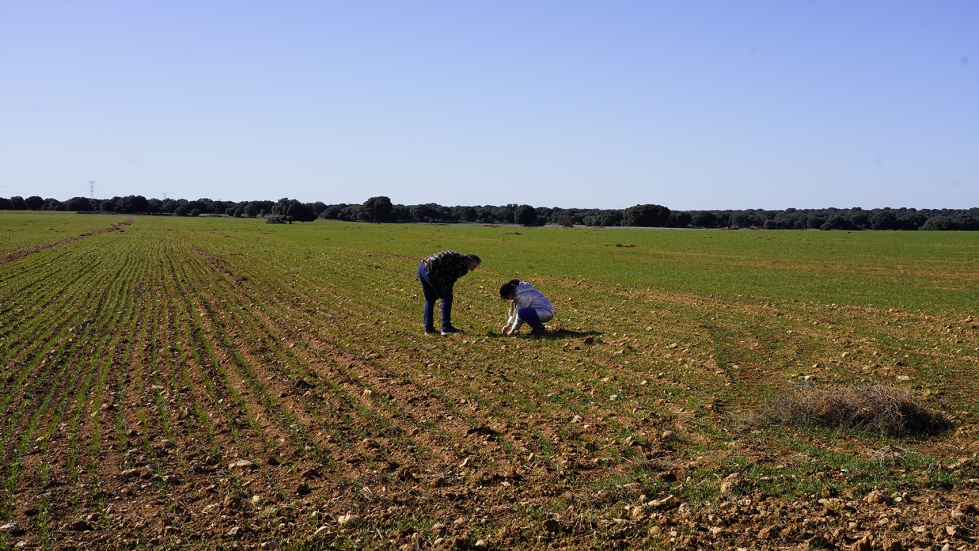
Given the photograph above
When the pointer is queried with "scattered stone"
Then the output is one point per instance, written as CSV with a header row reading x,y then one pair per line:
x,y
953,531
322,530
257,500
551,526
270,545
12,529
235,532
439,529
577,419
879,498
349,520
242,464
130,474
80,526
481,545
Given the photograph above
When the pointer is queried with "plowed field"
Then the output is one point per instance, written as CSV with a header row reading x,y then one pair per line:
x,y
227,384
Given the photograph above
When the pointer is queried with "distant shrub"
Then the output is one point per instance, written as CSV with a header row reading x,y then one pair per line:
x,y
275,219
874,408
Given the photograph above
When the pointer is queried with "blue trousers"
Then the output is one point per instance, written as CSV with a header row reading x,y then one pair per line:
x,y
529,316
431,295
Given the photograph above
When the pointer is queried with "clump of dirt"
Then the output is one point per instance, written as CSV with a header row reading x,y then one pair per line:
x,y
874,408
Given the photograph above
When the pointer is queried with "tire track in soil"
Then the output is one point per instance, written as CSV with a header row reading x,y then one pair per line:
x,y
17,255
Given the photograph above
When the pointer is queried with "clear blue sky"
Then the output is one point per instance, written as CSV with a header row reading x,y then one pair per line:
x,y
691,105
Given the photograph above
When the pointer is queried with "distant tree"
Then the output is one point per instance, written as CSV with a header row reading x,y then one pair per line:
x,y
678,219
180,210
78,204
815,220
293,210
466,214
649,216
34,202
611,217
318,208
378,208
5,204
883,220
525,215
424,213
939,223
194,212
18,203
911,220
107,205
705,219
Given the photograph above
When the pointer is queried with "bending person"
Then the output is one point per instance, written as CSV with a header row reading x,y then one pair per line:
x,y
438,274
526,305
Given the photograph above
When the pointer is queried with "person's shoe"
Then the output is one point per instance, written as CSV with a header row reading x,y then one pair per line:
x,y
451,331
536,333
431,331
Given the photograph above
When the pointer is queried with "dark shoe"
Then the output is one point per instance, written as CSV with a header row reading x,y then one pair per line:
x,y
451,331
536,333
431,331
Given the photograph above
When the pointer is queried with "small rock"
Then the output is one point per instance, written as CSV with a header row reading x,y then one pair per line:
x,y
349,520
256,500
877,497
235,532
728,487
11,528
481,545
322,530
80,526
439,529
242,464
551,526
270,545
577,419
953,531
168,444
667,436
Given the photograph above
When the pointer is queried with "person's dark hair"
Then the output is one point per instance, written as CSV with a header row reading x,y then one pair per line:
x,y
508,288
474,257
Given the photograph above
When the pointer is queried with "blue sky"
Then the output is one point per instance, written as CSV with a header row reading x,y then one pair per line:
x,y
691,105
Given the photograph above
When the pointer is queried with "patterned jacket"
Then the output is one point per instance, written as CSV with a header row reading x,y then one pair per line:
x,y
444,268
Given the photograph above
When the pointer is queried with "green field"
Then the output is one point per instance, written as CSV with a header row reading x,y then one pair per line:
x,y
147,358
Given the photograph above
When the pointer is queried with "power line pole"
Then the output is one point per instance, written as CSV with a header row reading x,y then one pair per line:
x,y
91,188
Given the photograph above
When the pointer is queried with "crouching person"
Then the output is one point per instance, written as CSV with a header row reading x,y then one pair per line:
x,y
527,305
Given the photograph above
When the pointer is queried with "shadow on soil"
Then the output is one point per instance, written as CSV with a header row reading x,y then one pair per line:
x,y
558,334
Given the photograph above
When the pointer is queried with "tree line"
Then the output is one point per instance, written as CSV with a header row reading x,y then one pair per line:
x,y
381,209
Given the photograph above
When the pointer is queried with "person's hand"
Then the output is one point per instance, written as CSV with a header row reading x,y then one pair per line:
x,y
506,329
